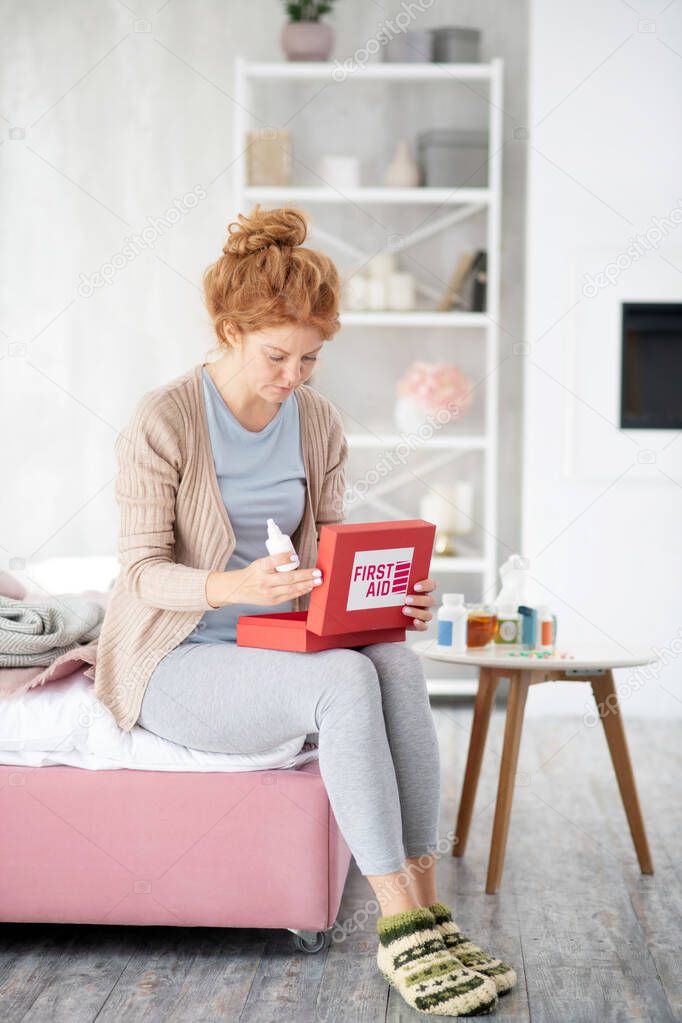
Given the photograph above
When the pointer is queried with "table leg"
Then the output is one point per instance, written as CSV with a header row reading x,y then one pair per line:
x,y
606,697
485,697
516,704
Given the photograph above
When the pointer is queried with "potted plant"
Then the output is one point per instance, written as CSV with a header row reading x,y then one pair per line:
x,y
305,37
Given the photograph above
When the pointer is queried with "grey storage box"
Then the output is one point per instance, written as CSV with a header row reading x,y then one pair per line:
x,y
414,47
451,158
456,45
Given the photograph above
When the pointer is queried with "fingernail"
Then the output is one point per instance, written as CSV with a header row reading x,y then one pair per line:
x,y
317,571
293,557
317,582
418,586
409,600
406,610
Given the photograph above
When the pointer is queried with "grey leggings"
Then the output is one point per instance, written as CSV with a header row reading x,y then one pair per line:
x,y
378,750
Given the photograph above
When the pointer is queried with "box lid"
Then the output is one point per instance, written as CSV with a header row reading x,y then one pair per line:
x,y
367,569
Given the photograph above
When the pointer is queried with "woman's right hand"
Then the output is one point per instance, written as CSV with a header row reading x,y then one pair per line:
x,y
260,583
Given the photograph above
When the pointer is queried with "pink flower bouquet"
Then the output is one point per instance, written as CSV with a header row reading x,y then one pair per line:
x,y
435,386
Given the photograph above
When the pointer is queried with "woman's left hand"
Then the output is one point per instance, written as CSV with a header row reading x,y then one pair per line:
x,y
416,604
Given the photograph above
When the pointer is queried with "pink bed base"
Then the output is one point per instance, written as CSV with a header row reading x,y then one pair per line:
x,y
248,849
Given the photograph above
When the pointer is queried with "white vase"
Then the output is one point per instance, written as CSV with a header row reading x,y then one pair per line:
x,y
408,415
402,171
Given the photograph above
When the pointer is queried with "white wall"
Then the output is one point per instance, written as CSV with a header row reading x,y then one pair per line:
x,y
601,507
110,114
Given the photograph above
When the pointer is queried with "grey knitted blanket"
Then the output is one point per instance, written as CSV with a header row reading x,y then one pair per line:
x,y
34,633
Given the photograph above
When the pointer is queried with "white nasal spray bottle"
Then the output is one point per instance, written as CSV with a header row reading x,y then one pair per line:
x,y
279,543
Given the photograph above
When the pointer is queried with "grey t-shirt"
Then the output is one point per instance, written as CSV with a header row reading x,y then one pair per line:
x,y
261,475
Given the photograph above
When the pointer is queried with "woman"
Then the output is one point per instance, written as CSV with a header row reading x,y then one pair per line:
x,y
206,460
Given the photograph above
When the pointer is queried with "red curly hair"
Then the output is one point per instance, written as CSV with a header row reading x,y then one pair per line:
x,y
266,277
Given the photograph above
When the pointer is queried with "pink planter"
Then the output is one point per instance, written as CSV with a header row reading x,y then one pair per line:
x,y
307,40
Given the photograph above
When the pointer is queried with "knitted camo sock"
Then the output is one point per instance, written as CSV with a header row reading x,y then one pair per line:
x,y
412,956
473,957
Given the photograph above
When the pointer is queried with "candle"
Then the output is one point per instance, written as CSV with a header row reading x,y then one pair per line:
x,y
356,292
381,265
438,509
376,293
401,291
340,171
463,506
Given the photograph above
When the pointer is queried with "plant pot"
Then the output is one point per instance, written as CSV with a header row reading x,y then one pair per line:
x,y
307,40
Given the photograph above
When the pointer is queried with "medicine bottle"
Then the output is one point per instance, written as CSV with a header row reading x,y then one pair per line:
x,y
279,543
452,622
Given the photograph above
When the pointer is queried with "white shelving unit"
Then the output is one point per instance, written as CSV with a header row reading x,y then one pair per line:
x,y
457,204
318,193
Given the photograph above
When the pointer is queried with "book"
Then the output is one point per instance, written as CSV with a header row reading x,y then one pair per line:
x,y
453,297
479,280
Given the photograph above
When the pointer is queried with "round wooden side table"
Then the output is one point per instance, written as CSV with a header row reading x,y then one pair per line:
x,y
583,665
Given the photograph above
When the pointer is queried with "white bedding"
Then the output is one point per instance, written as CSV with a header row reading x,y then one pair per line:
x,y
64,723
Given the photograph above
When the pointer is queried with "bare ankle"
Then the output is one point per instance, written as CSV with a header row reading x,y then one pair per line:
x,y
395,892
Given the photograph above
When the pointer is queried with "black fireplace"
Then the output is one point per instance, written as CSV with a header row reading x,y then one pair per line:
x,y
651,366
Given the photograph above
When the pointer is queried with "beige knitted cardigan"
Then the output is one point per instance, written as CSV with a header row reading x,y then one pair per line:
x,y
175,530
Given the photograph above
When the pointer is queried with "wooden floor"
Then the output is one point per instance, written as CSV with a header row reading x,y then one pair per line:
x,y
591,939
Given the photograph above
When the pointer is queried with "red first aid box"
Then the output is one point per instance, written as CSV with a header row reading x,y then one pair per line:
x,y
367,569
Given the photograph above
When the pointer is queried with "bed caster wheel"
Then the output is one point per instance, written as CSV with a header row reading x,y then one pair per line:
x,y
311,941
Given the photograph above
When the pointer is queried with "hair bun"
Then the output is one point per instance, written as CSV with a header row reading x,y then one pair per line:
x,y
261,228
